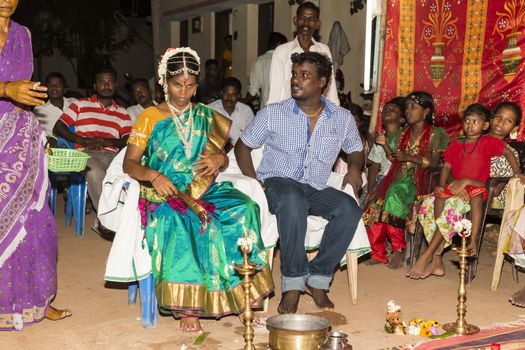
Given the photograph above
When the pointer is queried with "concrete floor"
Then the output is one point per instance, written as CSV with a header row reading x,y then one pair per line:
x,y
103,320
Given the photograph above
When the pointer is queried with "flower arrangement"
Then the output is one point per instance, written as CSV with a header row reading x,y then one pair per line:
x,y
245,243
463,227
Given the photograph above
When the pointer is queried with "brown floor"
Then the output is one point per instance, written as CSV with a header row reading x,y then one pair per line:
x,y
103,320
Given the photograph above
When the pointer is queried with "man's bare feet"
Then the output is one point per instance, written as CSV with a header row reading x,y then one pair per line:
x,y
190,325
321,298
472,248
518,298
54,314
396,260
436,266
289,302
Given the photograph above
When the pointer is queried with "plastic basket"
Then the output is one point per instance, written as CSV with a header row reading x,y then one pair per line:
x,y
66,160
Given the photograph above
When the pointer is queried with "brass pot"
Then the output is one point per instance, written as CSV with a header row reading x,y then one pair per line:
x,y
297,331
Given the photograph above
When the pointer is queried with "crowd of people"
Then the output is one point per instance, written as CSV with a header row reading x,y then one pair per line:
x,y
176,143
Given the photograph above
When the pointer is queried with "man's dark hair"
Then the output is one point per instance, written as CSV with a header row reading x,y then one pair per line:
x,y
106,70
513,107
307,5
140,81
275,39
479,110
211,61
232,81
322,63
53,75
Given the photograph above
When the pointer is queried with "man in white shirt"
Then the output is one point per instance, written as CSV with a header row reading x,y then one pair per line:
x,y
142,95
260,73
306,23
48,113
229,106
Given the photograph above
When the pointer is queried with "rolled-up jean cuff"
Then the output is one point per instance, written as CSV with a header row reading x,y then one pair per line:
x,y
319,281
292,283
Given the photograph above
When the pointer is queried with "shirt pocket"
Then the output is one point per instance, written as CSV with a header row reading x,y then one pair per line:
x,y
330,148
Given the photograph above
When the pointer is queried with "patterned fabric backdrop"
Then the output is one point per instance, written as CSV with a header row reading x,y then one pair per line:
x,y
460,51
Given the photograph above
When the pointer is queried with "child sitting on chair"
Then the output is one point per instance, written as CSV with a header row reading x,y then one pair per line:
x,y
468,159
393,117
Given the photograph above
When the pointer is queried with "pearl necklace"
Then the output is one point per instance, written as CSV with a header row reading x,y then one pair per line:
x,y
185,132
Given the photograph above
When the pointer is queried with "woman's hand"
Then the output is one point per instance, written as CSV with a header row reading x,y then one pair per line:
x,y
210,163
163,185
380,139
26,92
459,185
401,156
439,190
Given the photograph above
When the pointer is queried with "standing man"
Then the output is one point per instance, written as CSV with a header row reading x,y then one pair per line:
x,y
229,106
142,95
302,137
306,23
48,113
100,127
260,72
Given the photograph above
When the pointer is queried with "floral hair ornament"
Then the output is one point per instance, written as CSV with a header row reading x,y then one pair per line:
x,y
416,99
163,65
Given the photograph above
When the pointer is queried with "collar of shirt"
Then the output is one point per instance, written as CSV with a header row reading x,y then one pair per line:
x,y
94,98
297,48
327,108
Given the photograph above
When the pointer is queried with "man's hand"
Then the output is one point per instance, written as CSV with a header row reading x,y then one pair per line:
x,y
353,177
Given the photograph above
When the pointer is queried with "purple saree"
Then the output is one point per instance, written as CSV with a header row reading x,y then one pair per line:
x,y
28,237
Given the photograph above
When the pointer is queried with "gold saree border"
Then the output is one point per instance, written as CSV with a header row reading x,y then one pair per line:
x,y
217,138
197,300
471,80
406,43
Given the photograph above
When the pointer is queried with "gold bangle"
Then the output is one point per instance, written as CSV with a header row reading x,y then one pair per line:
x,y
425,162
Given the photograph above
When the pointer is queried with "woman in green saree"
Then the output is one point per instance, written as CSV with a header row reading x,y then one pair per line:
x,y
192,223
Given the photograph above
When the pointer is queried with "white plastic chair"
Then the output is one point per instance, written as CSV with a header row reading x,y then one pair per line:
x,y
315,226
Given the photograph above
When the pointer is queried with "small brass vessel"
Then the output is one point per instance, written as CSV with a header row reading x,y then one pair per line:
x,y
297,331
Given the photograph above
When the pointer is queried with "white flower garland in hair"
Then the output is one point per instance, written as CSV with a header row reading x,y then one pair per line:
x,y
163,64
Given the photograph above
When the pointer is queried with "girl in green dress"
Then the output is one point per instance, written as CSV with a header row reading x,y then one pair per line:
x,y
411,149
192,223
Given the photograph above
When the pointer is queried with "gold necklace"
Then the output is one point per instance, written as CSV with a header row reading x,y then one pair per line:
x,y
317,112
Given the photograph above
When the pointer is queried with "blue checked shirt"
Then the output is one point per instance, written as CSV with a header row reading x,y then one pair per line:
x,y
289,149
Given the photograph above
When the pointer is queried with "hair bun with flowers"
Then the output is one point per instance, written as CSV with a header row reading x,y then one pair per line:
x,y
170,52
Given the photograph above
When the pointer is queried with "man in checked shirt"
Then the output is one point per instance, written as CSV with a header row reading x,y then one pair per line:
x,y
302,137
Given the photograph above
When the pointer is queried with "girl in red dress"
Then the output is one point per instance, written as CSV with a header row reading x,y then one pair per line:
x,y
468,160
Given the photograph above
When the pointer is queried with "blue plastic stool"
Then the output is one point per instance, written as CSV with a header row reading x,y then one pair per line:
x,y
148,300
76,202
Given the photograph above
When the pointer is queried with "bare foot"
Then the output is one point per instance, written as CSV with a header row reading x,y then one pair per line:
x,y
289,302
321,298
54,314
190,325
472,248
396,260
421,269
436,266
518,298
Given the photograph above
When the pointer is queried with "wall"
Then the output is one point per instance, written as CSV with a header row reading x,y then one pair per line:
x,y
354,27
245,24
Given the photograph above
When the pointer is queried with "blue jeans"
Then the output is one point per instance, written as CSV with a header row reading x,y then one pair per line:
x,y
292,202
